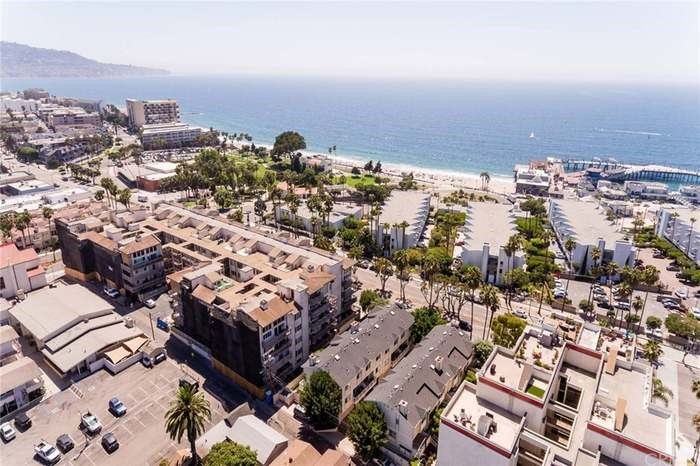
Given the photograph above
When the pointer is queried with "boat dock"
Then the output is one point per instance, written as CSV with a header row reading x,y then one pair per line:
x,y
617,171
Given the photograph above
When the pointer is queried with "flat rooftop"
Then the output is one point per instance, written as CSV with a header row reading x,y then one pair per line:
x,y
409,206
508,425
585,222
488,223
639,424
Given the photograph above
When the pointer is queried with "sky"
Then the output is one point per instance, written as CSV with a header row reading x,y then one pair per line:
x,y
559,41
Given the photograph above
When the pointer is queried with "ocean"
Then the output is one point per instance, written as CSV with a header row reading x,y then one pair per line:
x,y
451,126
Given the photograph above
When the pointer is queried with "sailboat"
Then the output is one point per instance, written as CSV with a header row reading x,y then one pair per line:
x,y
532,135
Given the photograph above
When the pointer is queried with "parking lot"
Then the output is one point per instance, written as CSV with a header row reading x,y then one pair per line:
x,y
140,432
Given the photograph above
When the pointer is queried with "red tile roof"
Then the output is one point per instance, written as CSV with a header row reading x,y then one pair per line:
x,y
10,255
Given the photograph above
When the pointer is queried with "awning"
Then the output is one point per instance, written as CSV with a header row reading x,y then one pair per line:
x,y
135,343
117,354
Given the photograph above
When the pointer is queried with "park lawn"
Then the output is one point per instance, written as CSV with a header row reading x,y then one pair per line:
x,y
355,180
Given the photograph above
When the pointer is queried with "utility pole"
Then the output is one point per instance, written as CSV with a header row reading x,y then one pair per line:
x,y
153,332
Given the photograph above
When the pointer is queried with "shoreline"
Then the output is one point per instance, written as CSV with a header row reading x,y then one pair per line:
x,y
440,179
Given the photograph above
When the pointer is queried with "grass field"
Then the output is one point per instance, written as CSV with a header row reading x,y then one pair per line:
x,y
355,180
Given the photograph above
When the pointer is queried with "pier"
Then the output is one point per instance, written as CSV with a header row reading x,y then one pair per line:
x,y
617,171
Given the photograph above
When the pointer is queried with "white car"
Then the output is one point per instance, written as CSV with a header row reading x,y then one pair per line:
x,y
520,313
111,292
7,432
90,422
149,303
47,452
696,312
681,292
655,333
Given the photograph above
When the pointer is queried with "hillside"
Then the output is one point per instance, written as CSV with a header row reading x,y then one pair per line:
x,y
23,61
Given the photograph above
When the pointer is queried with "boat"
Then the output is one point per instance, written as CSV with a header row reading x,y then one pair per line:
x,y
532,135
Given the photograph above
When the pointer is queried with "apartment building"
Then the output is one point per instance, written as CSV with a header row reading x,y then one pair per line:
x,y
646,190
587,225
110,250
10,347
169,135
20,271
410,392
309,221
151,112
481,241
562,396
73,116
528,180
360,356
35,93
680,227
405,213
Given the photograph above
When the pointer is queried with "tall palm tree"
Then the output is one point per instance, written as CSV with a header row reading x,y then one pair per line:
x,y
187,416
293,203
650,277
471,275
511,247
47,213
637,305
696,424
402,265
22,222
492,303
570,245
690,234
403,225
611,269
595,271
485,179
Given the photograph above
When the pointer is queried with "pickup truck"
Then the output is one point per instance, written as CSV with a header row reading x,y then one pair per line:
x,y
90,422
47,453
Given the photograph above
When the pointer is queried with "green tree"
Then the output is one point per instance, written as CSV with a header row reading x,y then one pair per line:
x,y
506,329
471,275
367,429
287,143
7,222
228,453
369,299
652,351
660,391
424,319
492,303
124,197
403,271
187,416
322,398
654,322
384,269
27,154
223,197
482,350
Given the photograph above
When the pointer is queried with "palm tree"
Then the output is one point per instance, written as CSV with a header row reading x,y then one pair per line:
x,y
570,245
124,197
652,351
485,179
384,269
696,424
492,303
659,390
22,222
511,247
293,204
611,269
637,305
696,387
403,273
403,225
594,269
650,276
690,234
187,415
471,275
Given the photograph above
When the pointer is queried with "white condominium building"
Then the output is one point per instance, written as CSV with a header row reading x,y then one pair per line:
x,y
486,231
150,112
680,227
587,225
169,135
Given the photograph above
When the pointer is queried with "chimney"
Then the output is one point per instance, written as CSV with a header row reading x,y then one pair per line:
x,y
438,364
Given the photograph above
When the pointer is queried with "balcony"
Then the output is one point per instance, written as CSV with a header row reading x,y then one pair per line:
x,y
276,341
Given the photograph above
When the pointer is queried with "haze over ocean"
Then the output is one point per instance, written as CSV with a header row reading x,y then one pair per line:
x,y
456,126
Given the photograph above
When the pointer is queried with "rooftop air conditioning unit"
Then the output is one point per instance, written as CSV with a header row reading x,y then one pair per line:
x,y
403,408
263,304
438,363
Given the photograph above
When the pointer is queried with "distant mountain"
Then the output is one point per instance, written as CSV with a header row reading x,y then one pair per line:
x,y
23,61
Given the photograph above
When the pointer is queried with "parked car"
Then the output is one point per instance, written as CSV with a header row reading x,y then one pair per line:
x,y
109,442
520,313
90,422
111,292
681,292
672,268
116,407
604,304
47,453
300,413
672,305
7,432
65,443
23,421
625,306
655,333
149,303
696,312
464,325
